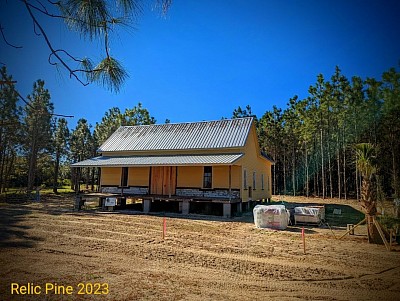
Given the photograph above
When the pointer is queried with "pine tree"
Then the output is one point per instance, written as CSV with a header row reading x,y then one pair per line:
x,y
114,118
93,21
60,140
10,127
37,128
81,149
390,126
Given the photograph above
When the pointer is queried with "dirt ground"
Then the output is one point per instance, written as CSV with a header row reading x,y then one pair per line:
x,y
122,256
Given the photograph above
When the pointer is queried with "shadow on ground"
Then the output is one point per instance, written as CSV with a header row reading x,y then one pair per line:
x,y
13,234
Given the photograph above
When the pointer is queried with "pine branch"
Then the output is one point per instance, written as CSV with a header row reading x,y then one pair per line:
x,y
10,83
91,19
68,18
71,72
5,40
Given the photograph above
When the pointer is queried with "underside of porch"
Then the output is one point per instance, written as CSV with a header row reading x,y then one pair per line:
x,y
160,203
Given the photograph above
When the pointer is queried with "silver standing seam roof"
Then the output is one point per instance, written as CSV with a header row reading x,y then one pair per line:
x,y
226,133
177,160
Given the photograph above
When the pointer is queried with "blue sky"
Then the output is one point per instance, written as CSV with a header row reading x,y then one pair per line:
x,y
208,57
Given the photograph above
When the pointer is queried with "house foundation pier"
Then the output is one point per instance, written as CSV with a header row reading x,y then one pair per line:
x,y
239,208
146,205
245,206
185,207
227,210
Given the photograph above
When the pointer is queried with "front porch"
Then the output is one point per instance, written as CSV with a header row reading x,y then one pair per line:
x,y
187,184
180,192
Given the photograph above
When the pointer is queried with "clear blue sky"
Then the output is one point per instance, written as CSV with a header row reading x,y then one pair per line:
x,y
208,57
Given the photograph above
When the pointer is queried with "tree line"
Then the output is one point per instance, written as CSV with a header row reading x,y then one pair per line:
x,y
312,141
37,147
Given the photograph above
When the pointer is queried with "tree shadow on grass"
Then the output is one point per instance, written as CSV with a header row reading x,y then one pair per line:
x,y
13,234
308,229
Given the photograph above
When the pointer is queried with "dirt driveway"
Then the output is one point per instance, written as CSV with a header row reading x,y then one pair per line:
x,y
120,256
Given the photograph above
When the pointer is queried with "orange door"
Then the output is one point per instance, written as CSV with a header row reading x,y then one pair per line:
x,y
163,180
156,180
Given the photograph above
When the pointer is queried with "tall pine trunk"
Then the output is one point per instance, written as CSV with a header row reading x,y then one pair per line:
x,y
9,166
330,172
316,173
284,172
2,156
339,181
2,165
322,167
56,171
32,168
307,170
274,189
294,171
344,166
394,166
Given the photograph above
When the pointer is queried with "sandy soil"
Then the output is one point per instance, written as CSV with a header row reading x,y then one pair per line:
x,y
201,258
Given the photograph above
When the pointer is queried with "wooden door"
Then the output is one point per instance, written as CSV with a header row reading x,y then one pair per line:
x,y
156,180
163,180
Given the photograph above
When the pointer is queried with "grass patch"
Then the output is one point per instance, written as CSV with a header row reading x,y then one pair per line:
x,y
61,190
389,222
20,195
46,190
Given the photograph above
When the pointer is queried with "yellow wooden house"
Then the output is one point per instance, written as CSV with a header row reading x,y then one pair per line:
x,y
210,162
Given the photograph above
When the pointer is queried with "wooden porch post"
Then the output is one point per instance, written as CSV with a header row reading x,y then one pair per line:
x,y
122,181
99,179
170,179
78,180
230,182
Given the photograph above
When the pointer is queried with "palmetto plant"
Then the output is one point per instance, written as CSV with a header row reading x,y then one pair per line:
x,y
366,164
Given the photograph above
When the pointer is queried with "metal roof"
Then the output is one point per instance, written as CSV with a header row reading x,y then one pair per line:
x,y
268,158
226,133
104,161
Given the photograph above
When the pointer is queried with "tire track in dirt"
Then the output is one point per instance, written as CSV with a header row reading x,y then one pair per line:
x,y
209,252
234,262
200,260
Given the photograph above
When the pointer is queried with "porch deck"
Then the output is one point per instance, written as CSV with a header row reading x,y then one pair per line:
x,y
147,200
102,195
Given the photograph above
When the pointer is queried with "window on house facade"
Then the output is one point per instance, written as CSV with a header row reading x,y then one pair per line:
x,y
207,179
262,181
254,180
124,177
245,179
